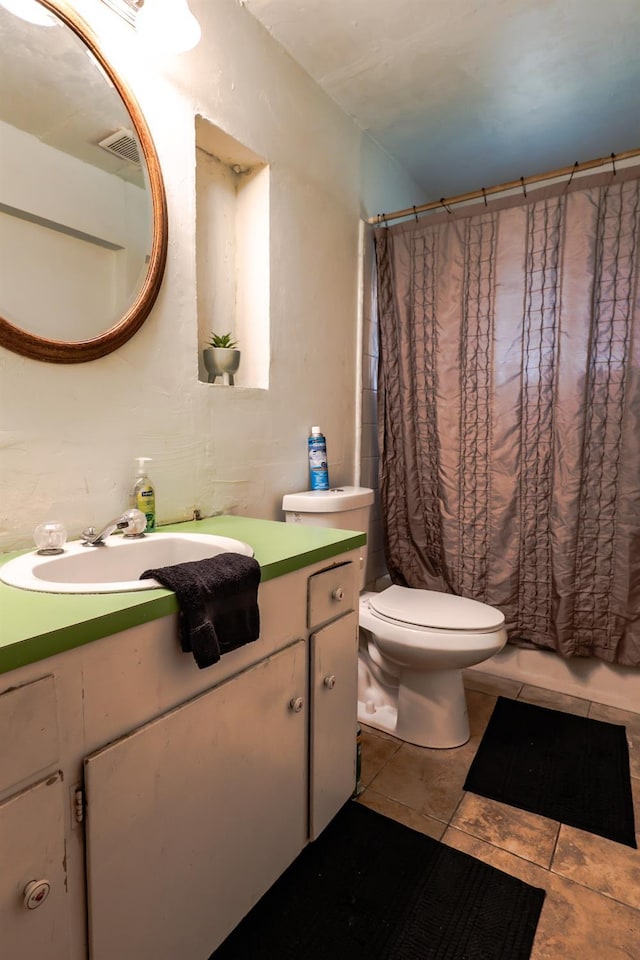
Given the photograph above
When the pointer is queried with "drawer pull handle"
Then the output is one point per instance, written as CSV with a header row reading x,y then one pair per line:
x,y
338,594
35,893
330,682
296,704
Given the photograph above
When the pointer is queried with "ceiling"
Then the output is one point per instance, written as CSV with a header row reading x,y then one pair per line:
x,y
472,93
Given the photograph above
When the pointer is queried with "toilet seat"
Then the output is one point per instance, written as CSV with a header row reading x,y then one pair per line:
x,y
429,609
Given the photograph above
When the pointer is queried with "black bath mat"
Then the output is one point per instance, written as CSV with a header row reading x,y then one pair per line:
x,y
571,769
372,889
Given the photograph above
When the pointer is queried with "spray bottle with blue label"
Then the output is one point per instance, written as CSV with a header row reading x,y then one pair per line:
x,y
318,467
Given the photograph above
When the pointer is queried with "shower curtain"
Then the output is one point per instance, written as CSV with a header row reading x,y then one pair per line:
x,y
509,411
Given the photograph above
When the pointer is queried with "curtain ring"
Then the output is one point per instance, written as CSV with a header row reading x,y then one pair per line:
x,y
415,212
383,217
442,201
524,189
484,195
613,163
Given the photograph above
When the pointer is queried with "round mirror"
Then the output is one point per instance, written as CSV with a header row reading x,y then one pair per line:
x,y
83,221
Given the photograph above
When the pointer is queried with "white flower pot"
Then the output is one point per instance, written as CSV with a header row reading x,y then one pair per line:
x,y
221,362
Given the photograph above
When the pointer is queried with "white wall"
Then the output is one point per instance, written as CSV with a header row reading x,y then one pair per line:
x,y
95,240
69,433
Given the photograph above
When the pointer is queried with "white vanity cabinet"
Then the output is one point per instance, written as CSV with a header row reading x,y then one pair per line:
x,y
191,818
161,801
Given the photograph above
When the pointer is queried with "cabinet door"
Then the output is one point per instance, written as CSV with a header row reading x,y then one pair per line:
x,y
32,848
334,701
193,816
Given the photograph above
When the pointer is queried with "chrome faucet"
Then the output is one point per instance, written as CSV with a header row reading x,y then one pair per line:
x,y
133,521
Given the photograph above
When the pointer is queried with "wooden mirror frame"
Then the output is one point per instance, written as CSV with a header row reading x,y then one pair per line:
x,y
59,351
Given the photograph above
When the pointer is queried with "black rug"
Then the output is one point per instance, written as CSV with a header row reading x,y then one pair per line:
x,y
571,769
372,889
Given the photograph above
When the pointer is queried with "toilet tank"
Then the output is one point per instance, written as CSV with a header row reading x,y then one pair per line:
x,y
343,508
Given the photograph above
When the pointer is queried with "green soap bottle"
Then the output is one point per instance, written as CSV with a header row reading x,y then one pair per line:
x,y
144,496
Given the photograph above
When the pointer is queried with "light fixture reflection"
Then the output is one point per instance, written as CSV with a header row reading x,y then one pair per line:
x,y
29,10
127,9
168,26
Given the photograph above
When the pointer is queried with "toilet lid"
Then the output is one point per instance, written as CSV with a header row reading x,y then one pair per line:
x,y
442,611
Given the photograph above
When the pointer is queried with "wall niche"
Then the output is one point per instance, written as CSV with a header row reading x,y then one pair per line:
x,y
232,250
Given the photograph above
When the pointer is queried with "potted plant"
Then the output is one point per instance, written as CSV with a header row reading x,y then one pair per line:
x,y
221,358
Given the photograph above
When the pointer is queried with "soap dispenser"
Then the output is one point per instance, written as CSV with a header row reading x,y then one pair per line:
x,y
143,495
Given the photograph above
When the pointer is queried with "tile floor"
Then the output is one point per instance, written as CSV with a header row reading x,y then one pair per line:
x,y
592,907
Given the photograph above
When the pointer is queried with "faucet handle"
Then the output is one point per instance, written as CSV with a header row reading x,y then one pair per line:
x,y
88,534
133,522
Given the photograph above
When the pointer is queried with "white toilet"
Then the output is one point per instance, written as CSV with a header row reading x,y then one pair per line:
x,y
414,644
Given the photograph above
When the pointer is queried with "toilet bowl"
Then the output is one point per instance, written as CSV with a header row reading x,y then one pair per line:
x,y
414,645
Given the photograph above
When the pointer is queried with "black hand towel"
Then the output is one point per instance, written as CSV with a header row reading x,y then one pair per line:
x,y
218,599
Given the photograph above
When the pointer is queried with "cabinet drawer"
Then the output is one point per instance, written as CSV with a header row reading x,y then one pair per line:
x,y
28,731
331,594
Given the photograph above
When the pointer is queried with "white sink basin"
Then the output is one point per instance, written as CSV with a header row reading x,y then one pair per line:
x,y
116,566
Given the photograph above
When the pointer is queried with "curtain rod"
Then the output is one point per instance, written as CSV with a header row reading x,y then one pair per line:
x,y
485,192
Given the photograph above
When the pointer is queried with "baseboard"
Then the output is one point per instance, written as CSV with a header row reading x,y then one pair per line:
x,y
584,677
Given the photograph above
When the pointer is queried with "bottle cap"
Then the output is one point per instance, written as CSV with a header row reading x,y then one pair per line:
x,y
315,430
141,468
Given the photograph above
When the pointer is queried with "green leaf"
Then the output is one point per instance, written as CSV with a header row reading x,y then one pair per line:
x,y
223,340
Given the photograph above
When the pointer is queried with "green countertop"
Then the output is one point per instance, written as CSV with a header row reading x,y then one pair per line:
x,y
38,625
